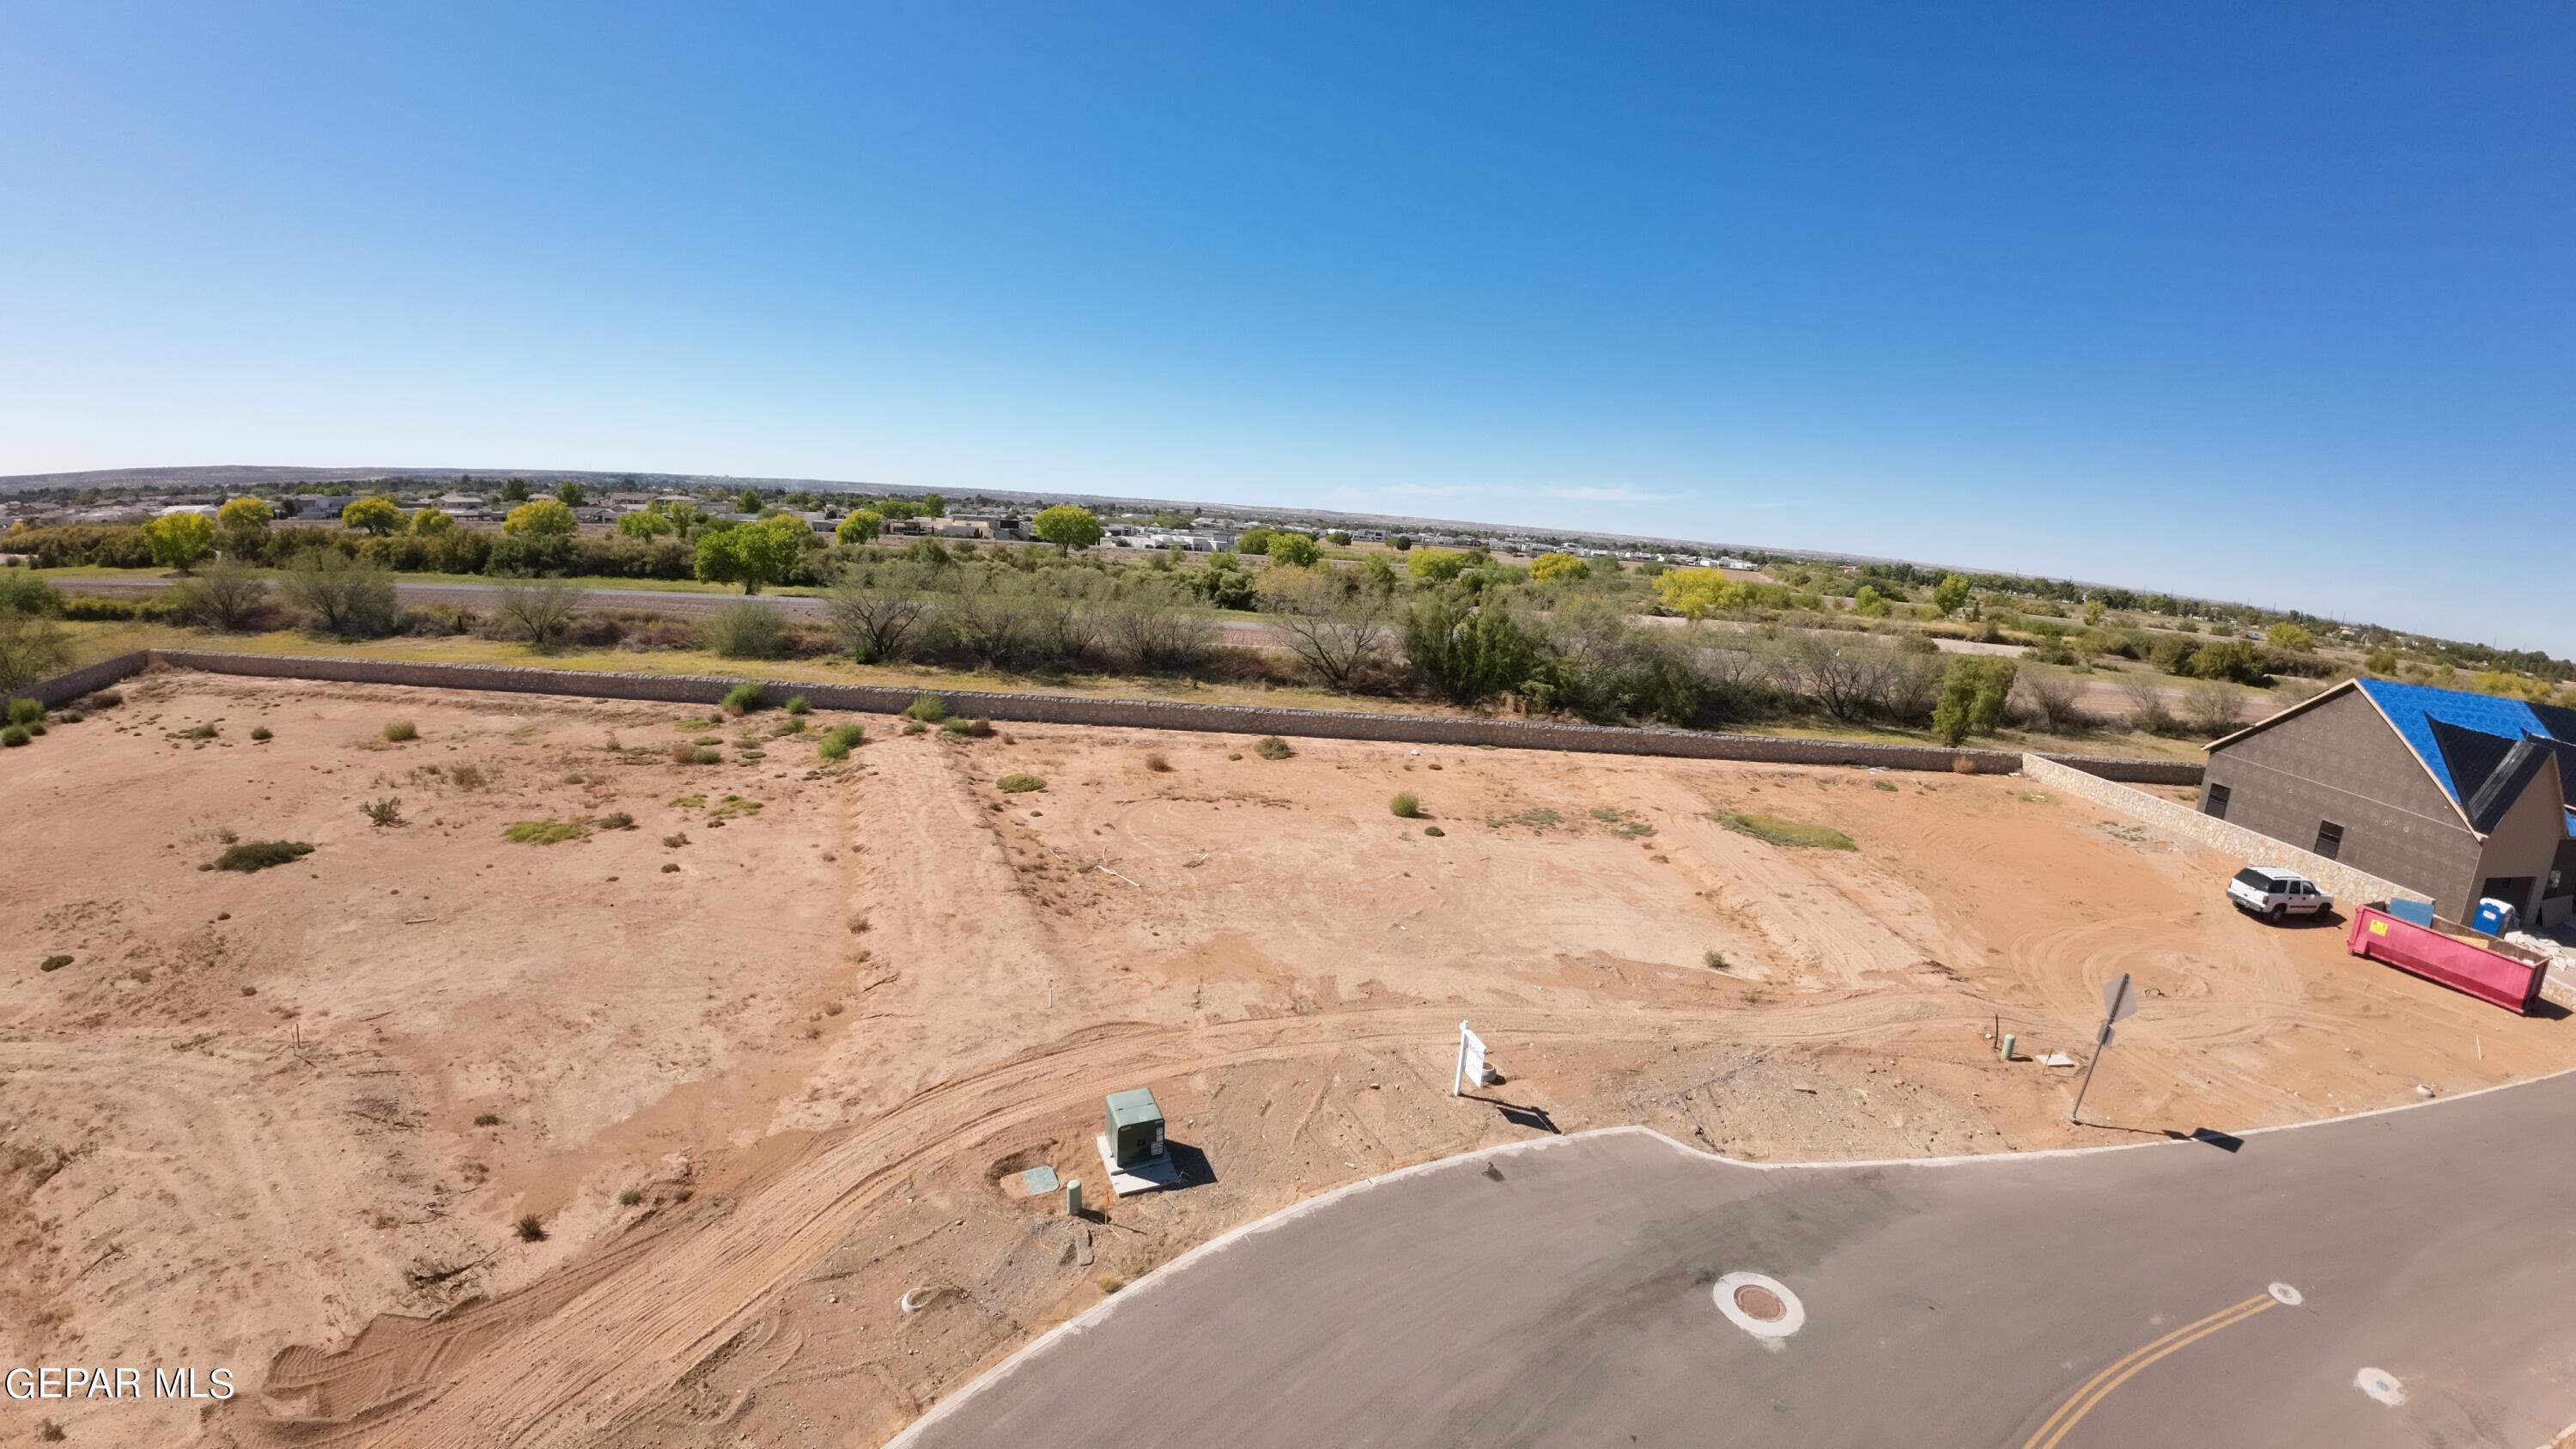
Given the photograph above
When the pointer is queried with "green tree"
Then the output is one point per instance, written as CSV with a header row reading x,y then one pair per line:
x,y
429,522
178,540
1698,593
644,523
1869,603
1950,595
1380,574
2230,659
244,516
2290,638
860,527
1338,539
374,517
1435,565
1068,526
543,518
2382,660
747,501
1549,568
752,554
514,490
2094,610
933,506
1253,541
569,493
1973,694
1400,543
1295,550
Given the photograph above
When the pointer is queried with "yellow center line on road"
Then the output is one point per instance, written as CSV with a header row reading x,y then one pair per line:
x,y
2095,1389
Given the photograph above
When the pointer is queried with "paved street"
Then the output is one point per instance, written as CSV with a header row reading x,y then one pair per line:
x,y
1560,1295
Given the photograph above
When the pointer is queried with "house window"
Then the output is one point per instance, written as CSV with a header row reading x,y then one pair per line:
x,y
2217,801
2329,840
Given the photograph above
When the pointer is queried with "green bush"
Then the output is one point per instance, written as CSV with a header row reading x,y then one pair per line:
x,y
1405,806
547,832
260,734
1271,747
54,963
14,736
970,728
796,704
927,709
743,698
253,855
399,730
1781,831
748,631
1433,830
1020,784
25,712
91,609
837,741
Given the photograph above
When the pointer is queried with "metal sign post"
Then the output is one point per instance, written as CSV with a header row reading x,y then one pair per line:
x,y
2119,1002
1471,1060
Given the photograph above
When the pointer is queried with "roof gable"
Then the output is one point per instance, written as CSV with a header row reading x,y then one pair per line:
x,y
2414,709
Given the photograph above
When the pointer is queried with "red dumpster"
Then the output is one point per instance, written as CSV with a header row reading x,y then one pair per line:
x,y
2490,971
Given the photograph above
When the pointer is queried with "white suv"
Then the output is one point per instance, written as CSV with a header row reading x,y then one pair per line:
x,y
2273,893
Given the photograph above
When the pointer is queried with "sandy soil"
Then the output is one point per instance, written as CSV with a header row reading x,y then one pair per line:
x,y
287,1122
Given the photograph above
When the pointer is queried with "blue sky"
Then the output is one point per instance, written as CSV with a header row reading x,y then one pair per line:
x,y
2261,302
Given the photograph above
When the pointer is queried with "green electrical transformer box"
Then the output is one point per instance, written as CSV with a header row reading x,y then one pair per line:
x,y
1135,1127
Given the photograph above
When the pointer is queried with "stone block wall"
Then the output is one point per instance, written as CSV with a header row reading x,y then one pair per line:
x,y
1011,707
62,689
2178,821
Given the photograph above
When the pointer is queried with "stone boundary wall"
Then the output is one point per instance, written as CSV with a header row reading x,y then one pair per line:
x,y
1019,708
62,689
2346,885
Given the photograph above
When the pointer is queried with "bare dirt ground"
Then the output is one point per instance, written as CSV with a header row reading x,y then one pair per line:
x,y
288,1122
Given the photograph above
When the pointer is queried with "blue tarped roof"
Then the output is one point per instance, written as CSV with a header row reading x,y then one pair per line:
x,y
2416,710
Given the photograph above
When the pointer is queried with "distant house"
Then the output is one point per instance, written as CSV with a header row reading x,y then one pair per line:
x,y
202,510
2461,796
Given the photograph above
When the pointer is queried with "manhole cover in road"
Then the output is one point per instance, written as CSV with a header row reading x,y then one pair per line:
x,y
1760,1303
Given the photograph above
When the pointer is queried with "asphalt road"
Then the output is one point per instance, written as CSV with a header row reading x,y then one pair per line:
x,y
1560,1294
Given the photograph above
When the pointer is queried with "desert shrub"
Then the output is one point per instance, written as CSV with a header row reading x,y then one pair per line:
x,y
1271,747
546,832
466,777
743,698
747,631
384,812
199,732
340,595
32,646
1467,645
2148,710
927,709
2228,659
55,962
104,699
487,1119
400,730
837,741
629,1197
617,820
796,704
1713,960
676,839
69,716
2048,701
1019,784
2213,709
1405,806
21,592
1433,830
1780,831
94,609
227,594
251,855
977,729
706,757
532,1229
1155,761
538,611
14,736
914,727
261,734
876,608
24,711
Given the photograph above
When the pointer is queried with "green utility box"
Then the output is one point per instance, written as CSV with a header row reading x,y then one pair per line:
x,y
1135,1127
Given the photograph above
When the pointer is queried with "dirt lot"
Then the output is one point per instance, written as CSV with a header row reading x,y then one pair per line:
x,y
756,1087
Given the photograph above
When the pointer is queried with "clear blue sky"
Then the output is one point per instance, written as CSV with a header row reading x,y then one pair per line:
x,y
2266,302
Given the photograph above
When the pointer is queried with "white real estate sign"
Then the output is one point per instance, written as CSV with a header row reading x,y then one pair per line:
x,y
1471,1060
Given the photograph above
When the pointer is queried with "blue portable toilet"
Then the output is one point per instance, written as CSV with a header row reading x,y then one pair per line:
x,y
2493,918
